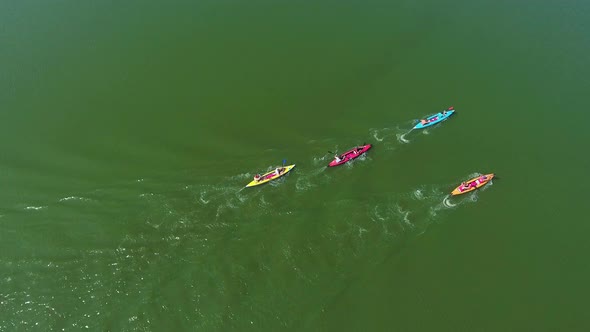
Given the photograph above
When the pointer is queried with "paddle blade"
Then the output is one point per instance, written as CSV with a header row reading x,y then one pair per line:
x,y
284,161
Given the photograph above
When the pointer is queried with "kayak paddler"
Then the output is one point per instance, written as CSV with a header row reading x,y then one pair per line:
x,y
466,185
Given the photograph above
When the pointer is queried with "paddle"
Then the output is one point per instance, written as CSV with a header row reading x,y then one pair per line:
x,y
284,161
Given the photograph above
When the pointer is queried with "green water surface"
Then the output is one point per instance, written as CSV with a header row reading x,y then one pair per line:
x,y
129,129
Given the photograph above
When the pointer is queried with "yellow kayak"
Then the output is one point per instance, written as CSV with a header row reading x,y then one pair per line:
x,y
473,184
272,175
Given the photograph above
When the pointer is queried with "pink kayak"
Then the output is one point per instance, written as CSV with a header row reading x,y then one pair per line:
x,y
350,155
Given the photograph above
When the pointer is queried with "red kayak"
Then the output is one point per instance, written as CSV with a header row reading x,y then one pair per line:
x,y
350,155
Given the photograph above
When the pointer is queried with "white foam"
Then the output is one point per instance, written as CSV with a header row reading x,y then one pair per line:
x,y
202,198
303,184
240,176
319,160
217,225
219,211
376,214
376,132
489,184
405,217
474,174
231,204
35,207
241,198
402,138
377,138
447,203
418,194
361,231
74,198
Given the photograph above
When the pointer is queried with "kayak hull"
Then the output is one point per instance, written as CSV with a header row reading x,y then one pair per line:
x,y
473,184
267,177
434,119
350,155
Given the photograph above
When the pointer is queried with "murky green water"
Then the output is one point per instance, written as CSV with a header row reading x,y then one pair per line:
x,y
129,130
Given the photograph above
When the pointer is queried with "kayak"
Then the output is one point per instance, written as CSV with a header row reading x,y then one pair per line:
x,y
350,155
272,175
473,184
436,118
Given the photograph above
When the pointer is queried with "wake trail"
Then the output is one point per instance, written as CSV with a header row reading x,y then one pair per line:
x,y
402,137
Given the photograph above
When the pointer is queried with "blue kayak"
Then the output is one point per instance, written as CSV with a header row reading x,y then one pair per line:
x,y
434,119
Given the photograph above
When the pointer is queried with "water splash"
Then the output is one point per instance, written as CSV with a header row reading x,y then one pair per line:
x,y
405,221
384,133
418,194
74,198
303,184
375,134
447,202
402,137
35,208
319,160
472,197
